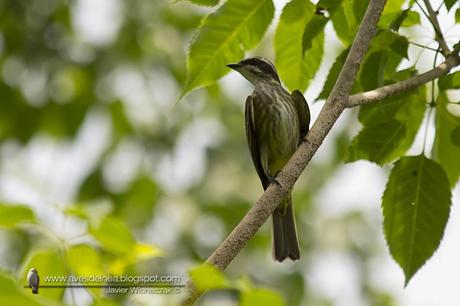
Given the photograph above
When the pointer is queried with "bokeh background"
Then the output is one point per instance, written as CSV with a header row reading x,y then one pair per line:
x,y
91,128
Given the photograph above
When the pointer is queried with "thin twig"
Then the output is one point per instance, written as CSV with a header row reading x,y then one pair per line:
x,y
422,46
431,105
384,92
423,11
440,5
433,17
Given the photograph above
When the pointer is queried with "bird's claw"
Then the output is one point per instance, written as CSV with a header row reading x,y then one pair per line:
x,y
273,180
305,140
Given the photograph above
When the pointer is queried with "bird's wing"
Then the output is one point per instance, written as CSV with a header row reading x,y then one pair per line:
x,y
252,141
32,279
38,280
303,111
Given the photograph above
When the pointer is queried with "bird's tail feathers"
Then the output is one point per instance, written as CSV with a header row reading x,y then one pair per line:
x,y
285,243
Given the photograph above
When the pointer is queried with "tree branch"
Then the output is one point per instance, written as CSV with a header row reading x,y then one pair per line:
x,y
381,93
433,17
274,194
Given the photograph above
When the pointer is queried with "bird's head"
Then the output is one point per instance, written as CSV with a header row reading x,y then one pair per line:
x,y
256,69
33,270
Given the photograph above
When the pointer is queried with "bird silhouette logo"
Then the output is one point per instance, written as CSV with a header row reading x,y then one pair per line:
x,y
33,280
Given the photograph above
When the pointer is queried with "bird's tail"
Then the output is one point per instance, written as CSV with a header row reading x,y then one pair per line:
x,y
285,242
35,289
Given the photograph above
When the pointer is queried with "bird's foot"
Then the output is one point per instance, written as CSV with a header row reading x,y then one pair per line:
x,y
273,180
305,140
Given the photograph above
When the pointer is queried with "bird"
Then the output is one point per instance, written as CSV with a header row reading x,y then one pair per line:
x,y
276,123
33,279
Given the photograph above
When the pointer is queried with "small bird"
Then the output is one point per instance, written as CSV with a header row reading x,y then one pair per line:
x,y
33,280
276,123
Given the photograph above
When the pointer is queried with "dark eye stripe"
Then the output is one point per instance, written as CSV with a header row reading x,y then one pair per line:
x,y
264,65
256,61
251,61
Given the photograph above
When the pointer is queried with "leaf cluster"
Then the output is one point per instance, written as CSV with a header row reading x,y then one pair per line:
x,y
417,199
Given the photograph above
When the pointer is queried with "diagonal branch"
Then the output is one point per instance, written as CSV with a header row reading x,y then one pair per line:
x,y
286,179
433,17
381,93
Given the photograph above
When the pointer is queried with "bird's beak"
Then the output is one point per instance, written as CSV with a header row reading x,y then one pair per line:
x,y
234,66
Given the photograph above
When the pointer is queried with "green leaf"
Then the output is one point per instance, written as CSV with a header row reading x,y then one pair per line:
x,y
386,39
413,18
140,252
204,2
221,38
207,277
295,68
403,74
93,187
457,15
379,59
11,295
455,135
318,21
392,21
77,211
145,251
113,235
105,302
260,296
402,108
400,46
389,128
350,17
332,76
393,6
449,3
136,205
330,5
342,28
312,29
93,212
450,81
382,39
416,205
446,148
405,18
347,19
49,263
120,123
378,142
373,65
12,215
84,260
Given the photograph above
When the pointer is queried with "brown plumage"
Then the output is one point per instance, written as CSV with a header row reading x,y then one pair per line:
x,y
276,121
